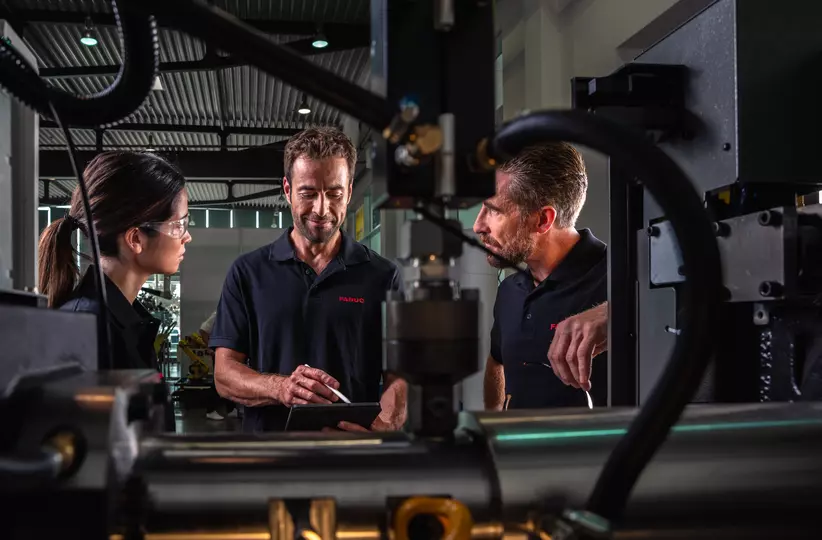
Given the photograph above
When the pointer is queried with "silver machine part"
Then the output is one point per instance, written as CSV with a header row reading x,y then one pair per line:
x,y
753,250
446,180
719,464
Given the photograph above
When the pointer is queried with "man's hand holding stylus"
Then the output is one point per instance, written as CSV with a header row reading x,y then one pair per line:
x,y
307,385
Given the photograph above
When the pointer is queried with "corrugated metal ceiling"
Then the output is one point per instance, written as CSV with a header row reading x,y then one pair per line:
x,y
250,98
326,10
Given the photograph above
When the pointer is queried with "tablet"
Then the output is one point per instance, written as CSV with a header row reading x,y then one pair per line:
x,y
315,417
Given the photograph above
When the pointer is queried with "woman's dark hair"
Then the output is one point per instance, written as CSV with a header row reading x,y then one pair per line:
x,y
126,189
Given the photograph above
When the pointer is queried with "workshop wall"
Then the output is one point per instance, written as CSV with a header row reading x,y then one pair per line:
x,y
208,258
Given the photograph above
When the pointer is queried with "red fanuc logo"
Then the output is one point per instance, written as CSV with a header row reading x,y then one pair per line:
x,y
352,300
553,326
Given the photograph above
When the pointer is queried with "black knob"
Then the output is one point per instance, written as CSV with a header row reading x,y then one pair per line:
x,y
653,230
769,218
721,229
770,289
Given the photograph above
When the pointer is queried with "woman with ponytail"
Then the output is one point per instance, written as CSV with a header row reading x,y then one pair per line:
x,y
140,210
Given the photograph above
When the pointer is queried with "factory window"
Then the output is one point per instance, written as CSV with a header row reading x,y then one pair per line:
x,y
198,218
245,219
43,218
218,218
223,218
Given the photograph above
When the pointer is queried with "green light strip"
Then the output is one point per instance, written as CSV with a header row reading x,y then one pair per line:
x,y
579,434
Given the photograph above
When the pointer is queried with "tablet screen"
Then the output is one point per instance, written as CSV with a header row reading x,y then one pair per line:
x,y
315,417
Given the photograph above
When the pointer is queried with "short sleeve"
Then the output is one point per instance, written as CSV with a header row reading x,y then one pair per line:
x,y
496,335
231,325
397,283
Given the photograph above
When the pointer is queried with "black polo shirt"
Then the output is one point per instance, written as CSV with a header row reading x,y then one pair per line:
x,y
279,313
133,330
525,318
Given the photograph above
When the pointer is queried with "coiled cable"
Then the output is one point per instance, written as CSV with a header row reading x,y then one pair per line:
x,y
138,38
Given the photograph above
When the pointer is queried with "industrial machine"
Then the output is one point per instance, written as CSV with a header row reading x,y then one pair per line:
x,y
730,97
85,453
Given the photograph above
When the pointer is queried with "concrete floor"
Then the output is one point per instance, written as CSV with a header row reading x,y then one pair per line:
x,y
192,421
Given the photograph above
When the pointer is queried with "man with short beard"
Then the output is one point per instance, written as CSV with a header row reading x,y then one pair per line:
x,y
305,313
551,321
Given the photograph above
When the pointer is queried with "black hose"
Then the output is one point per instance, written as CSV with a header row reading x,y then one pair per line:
x,y
229,34
138,36
701,295
104,358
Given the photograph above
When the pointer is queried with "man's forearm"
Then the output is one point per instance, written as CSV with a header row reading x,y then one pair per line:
x,y
493,387
394,403
241,384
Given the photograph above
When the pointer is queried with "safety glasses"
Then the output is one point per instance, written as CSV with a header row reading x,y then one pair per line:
x,y
175,229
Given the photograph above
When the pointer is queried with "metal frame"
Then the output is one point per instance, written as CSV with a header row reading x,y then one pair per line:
x,y
274,190
221,130
258,163
191,128
625,219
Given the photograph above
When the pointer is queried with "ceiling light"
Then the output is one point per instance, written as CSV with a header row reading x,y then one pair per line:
x,y
158,84
303,107
88,40
320,42
151,147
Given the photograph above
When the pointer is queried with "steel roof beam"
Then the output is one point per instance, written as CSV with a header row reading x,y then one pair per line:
x,y
187,128
258,163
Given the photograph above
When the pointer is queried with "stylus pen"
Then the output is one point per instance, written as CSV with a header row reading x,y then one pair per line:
x,y
590,401
587,395
336,392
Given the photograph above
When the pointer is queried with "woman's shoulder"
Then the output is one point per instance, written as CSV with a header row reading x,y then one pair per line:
x,y
82,303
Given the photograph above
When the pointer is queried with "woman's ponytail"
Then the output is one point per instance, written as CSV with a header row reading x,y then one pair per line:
x,y
58,269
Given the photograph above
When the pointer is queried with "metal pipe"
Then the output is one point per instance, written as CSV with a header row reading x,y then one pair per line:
x,y
541,461
359,472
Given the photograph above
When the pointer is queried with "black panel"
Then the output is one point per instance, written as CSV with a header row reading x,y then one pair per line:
x,y
779,76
